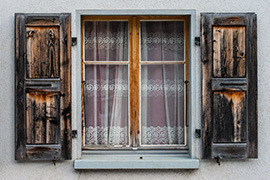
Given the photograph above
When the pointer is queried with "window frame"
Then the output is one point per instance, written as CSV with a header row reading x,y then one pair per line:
x,y
135,64
194,77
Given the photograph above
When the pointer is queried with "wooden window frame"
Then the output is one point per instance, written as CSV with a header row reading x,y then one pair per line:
x,y
134,67
194,76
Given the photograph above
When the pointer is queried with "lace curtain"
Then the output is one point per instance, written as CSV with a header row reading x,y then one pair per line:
x,y
106,87
162,86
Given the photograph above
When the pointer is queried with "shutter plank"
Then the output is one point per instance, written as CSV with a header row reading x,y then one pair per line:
x,y
42,118
206,56
43,152
229,86
229,51
252,88
229,150
53,118
66,88
20,47
229,117
42,20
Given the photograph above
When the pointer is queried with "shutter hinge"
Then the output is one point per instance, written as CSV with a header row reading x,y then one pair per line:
x,y
197,133
73,41
218,160
74,134
197,41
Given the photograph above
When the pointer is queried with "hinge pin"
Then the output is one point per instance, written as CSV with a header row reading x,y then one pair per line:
x,y
197,41
197,133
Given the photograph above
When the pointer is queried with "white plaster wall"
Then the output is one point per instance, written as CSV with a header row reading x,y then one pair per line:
x,y
249,169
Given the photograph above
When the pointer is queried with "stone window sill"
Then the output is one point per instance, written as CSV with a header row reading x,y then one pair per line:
x,y
136,162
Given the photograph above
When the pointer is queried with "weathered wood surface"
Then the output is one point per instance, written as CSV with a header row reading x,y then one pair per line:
x,y
43,152
229,117
42,20
252,88
206,56
42,118
65,74
229,85
229,51
229,150
42,52
20,49
43,101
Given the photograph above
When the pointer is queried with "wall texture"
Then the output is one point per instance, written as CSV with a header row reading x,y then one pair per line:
x,y
249,169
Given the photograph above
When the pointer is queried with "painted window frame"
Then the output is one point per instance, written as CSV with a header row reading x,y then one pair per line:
x,y
188,161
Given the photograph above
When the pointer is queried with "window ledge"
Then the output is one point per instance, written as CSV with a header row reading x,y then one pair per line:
x,y
135,162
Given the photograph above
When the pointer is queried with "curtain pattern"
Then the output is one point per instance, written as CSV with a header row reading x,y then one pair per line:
x,y
162,86
106,87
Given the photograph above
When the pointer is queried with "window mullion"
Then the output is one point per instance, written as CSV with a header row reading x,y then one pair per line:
x,y
134,84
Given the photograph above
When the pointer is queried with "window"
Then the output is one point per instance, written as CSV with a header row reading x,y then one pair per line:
x,y
133,78
135,82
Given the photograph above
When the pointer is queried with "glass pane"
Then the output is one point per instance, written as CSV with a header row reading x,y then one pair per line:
x,y
106,41
162,104
106,104
162,41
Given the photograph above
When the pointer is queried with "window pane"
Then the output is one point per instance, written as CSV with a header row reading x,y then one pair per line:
x,y
162,104
106,104
106,41
162,41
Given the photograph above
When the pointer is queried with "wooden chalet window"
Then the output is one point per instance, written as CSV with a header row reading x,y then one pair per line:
x,y
135,85
135,82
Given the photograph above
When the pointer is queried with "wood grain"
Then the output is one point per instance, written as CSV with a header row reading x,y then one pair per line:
x,y
65,74
135,84
43,101
20,49
229,85
229,118
42,52
229,51
42,118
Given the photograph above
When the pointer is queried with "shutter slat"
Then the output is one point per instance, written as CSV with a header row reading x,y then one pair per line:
x,y
43,87
229,86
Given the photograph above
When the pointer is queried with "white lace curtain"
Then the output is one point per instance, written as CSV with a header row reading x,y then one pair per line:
x,y
106,88
162,86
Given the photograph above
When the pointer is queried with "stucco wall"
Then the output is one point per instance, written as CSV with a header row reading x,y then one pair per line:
x,y
249,169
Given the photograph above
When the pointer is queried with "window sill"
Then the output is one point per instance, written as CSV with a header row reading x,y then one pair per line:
x,y
135,162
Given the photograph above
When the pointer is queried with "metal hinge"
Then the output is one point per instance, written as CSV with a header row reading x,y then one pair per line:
x,y
73,41
74,134
218,160
197,133
197,41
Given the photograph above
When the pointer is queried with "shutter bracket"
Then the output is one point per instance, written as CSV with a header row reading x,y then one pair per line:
x,y
74,134
218,160
197,41
197,133
73,41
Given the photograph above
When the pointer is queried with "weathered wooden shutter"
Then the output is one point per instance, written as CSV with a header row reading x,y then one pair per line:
x,y
229,85
43,101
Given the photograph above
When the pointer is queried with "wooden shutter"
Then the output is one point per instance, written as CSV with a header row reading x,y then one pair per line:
x,y
43,101
229,85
